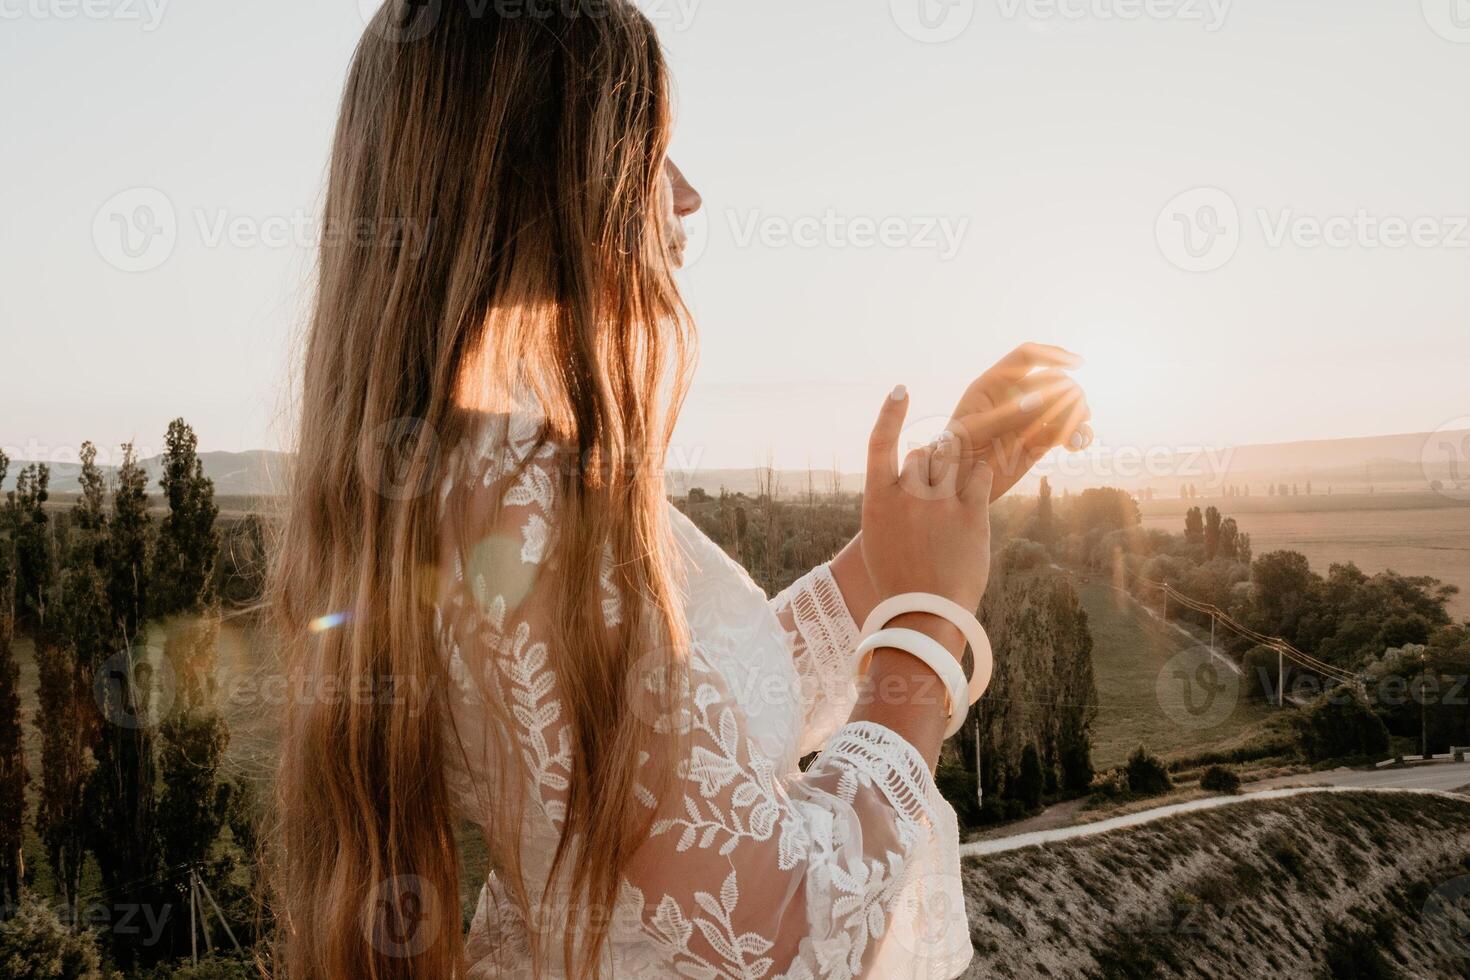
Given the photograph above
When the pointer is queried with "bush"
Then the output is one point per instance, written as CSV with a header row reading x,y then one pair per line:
x,y
961,789
1110,785
36,945
1022,555
1339,724
1146,774
1218,779
218,968
1260,668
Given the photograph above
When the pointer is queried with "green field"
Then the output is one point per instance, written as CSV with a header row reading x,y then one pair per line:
x,y
1149,686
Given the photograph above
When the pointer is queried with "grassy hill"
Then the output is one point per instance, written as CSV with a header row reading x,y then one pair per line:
x,y
1342,885
1141,701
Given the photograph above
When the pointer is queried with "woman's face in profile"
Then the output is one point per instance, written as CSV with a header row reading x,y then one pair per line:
x,y
683,200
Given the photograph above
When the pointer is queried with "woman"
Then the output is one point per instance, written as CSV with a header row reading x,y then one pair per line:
x,y
492,614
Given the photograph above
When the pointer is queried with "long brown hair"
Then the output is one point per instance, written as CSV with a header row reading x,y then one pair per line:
x,y
494,217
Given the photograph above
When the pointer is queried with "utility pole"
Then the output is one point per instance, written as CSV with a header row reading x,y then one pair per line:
x,y
193,922
1424,705
219,913
979,782
1280,679
203,922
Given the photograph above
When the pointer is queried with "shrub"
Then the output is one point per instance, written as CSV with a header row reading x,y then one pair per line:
x,y
1022,555
1218,779
1146,774
1340,724
36,945
220,968
1260,668
961,789
1110,785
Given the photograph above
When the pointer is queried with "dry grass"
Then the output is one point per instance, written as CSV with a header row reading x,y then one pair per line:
x,y
1297,887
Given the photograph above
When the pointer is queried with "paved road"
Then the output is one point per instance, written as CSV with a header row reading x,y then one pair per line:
x,y
1443,776
1435,780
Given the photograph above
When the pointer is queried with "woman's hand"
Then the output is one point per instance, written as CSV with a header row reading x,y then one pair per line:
x,y
926,528
1021,409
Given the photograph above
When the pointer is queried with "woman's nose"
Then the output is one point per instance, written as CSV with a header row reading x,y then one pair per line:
x,y
686,199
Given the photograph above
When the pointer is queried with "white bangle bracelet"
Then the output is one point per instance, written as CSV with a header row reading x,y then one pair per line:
x,y
924,647
962,619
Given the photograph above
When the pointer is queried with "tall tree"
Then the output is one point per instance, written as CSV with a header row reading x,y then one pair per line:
x,y
1194,525
193,807
1229,539
1045,530
66,658
128,547
122,793
31,532
1212,533
183,562
13,774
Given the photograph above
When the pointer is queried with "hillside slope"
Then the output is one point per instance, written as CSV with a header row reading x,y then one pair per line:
x,y
1348,885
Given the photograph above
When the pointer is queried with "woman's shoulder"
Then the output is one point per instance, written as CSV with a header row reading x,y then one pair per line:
x,y
500,477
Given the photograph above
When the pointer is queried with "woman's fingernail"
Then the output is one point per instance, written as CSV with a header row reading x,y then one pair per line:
x,y
1077,441
899,393
1031,402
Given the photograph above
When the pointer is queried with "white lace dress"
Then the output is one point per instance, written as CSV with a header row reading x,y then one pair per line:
x,y
753,867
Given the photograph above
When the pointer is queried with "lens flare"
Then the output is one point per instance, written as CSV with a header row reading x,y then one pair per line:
x,y
330,621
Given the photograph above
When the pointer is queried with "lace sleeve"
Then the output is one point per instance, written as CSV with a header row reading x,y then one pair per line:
x,y
822,637
848,869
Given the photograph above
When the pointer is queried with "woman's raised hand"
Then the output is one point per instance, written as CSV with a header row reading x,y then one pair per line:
x,y
1021,409
926,526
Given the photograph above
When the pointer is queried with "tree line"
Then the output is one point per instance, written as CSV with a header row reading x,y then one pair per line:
x,y
123,613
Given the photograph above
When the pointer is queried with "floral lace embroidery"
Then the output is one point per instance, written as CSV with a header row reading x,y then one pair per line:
x,y
756,872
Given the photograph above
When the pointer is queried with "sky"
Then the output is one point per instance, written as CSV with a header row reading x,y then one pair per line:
x,y
1252,217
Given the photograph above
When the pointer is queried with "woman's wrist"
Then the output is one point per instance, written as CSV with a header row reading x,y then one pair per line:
x,y
936,627
850,572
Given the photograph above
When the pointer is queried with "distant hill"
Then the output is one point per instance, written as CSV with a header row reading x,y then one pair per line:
x,y
1395,463
257,473
1386,463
